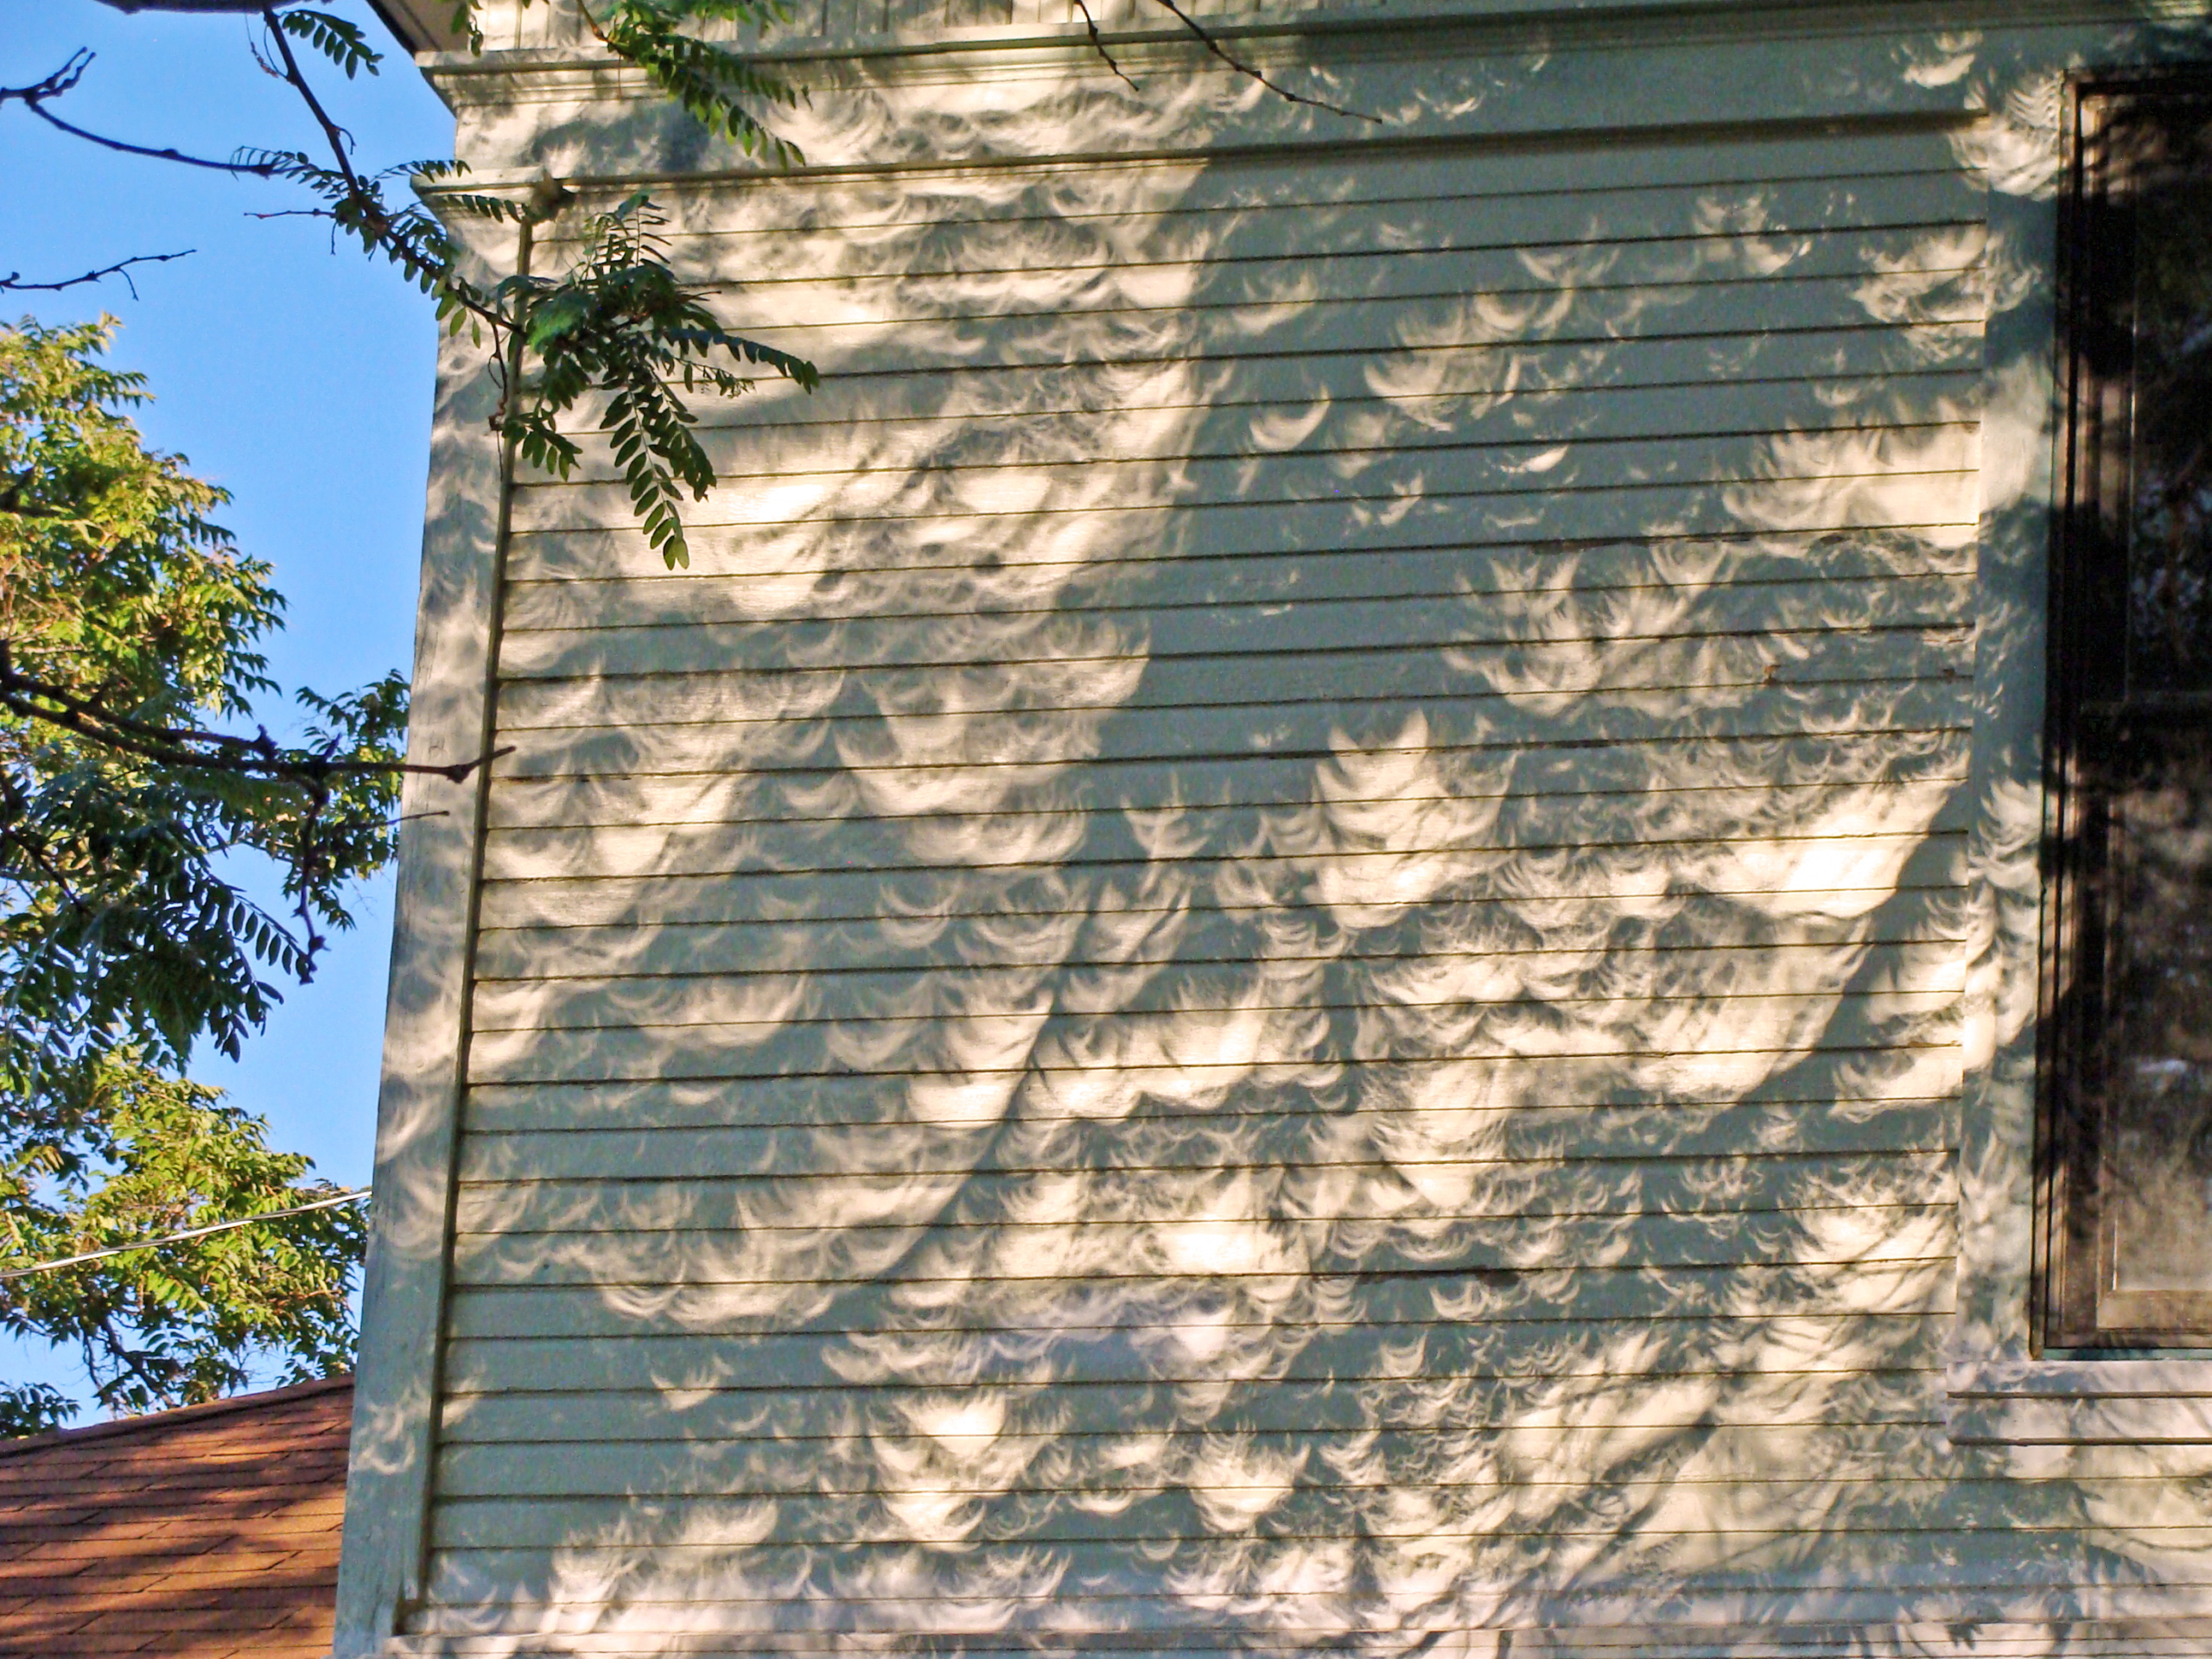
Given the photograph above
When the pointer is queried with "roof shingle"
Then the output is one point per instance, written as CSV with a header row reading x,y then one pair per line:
x,y
198,1533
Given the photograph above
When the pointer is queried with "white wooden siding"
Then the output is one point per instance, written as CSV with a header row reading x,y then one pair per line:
x,y
1269,953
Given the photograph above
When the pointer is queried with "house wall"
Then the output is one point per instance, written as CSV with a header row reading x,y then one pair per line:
x,y
1287,942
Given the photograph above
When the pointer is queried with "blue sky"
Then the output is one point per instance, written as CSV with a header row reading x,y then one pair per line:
x,y
297,378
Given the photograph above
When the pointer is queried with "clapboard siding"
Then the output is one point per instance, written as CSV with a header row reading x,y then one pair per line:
x,y
1547,1457
1382,572
1588,1094
1271,952
1808,1394
1631,276
1133,1380
548,956
1531,202
857,411
1802,771
1799,180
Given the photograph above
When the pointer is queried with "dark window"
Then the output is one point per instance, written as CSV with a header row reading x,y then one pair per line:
x,y
2127,1235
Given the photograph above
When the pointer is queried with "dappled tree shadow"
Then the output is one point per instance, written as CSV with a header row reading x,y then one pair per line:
x,y
1272,944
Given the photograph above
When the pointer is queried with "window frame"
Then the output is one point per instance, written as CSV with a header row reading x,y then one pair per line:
x,y
2075,1309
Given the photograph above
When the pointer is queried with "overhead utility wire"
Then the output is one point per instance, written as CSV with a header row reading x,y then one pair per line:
x,y
352,1195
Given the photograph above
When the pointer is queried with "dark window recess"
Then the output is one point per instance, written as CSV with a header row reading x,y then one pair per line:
x,y
2126,1223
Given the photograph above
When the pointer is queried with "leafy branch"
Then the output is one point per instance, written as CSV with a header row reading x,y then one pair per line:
x,y
619,321
259,756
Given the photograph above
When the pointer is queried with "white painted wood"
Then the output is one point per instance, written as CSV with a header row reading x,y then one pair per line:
x,y
1273,952
389,1470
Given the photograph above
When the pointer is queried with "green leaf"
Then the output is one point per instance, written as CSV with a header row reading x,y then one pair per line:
x,y
337,38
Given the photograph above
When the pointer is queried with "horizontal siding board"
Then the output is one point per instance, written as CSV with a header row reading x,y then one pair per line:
x,y
1363,512
1537,387
1198,936
1618,491
1805,169
1926,1046
1490,819
1845,1392
1952,1577
1802,864
1465,727
980,761
1120,327
773,1045
1798,607
1721,1505
738,1146
1117,1328
1675,568
2065,1592
1804,380
907,777
844,1467
1374,204
1891,1312
1254,262
1691,1080
1696,776
2106,1621
582,1284
1899,721
1500,240
1561,980
1347,689
884,1192
781,1372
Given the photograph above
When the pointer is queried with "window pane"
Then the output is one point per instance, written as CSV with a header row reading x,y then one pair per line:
x,y
2170,578
2157,1173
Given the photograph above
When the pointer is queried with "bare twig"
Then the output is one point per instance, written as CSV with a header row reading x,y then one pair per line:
x,y
1218,50
14,280
1098,44
183,5
35,96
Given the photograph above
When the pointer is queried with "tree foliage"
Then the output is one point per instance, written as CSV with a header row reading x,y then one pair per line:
x,y
128,630
617,320
113,1152
135,786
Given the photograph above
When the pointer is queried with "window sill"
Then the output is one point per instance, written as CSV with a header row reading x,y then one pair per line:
x,y
2079,1402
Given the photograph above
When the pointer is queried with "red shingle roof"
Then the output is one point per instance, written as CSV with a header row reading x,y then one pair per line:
x,y
187,1534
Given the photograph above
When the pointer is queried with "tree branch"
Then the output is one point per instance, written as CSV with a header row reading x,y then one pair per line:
x,y
1098,44
331,131
35,98
1218,50
184,5
187,746
13,281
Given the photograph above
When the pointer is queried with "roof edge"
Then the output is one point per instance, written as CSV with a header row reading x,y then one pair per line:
x,y
153,1421
421,25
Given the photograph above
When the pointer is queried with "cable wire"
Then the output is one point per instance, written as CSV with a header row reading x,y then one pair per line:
x,y
352,1195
